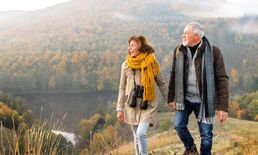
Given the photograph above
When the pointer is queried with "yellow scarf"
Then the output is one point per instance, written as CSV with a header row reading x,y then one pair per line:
x,y
149,68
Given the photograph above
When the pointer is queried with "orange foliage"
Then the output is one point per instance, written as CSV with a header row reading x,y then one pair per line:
x,y
84,152
234,108
256,118
107,118
6,110
208,26
242,114
75,58
64,56
20,118
150,24
62,67
235,76
27,61
52,82
244,62
110,135
97,142
164,30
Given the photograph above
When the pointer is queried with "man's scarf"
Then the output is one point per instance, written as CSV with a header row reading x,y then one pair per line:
x,y
207,109
149,68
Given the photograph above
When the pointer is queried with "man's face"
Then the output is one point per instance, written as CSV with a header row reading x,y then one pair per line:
x,y
188,37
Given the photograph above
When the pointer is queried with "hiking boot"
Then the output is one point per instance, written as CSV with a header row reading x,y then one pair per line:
x,y
191,151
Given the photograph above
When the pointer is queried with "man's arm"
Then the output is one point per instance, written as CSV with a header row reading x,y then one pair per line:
x,y
221,83
171,86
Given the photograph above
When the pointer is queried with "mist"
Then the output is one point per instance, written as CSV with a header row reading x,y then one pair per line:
x,y
228,10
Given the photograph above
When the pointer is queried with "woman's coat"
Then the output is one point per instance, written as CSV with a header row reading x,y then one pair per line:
x,y
135,115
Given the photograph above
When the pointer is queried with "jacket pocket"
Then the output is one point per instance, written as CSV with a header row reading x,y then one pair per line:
x,y
152,104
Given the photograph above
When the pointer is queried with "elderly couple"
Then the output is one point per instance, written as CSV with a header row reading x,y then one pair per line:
x,y
198,78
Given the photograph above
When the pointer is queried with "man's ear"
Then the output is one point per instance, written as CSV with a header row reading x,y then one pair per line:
x,y
196,36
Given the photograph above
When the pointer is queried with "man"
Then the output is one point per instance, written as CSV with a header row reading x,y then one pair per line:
x,y
197,79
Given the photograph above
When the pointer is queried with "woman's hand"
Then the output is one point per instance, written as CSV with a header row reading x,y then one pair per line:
x,y
120,116
172,105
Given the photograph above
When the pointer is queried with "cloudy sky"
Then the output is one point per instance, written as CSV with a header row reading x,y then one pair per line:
x,y
244,1
27,5
31,5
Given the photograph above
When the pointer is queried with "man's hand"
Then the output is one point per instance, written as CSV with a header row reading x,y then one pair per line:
x,y
172,105
120,116
222,115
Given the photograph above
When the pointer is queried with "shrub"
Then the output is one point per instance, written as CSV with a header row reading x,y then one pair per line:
x,y
166,125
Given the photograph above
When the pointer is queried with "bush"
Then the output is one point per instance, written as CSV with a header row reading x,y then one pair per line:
x,y
166,125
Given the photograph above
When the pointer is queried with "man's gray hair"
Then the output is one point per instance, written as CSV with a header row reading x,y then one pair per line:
x,y
197,28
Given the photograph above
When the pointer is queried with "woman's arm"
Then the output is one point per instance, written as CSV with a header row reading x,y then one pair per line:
x,y
122,87
162,86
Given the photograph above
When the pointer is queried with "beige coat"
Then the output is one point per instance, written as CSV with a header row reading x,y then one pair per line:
x,y
135,115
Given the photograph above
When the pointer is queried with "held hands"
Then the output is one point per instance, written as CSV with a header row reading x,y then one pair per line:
x,y
172,105
222,115
120,116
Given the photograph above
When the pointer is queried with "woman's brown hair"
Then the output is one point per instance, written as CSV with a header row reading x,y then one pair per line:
x,y
143,43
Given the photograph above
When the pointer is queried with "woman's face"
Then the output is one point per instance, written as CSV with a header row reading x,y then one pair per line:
x,y
134,49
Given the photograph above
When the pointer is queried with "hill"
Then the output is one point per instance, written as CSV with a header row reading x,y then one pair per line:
x,y
80,45
230,137
83,20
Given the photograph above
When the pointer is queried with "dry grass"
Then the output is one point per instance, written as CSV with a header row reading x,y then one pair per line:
x,y
38,140
234,136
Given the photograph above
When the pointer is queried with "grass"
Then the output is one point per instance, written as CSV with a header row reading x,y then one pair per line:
x,y
37,140
234,136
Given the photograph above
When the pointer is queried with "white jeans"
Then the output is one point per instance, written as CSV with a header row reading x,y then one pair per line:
x,y
140,138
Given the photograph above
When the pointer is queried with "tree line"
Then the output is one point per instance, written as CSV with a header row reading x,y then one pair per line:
x,y
93,64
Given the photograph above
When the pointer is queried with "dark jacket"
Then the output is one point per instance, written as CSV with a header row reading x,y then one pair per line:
x,y
221,78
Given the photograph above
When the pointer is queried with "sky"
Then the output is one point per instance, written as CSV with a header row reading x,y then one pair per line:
x,y
27,5
31,5
244,1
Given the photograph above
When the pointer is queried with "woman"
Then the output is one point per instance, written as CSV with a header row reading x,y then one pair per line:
x,y
136,107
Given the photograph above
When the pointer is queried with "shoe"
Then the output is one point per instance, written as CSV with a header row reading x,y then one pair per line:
x,y
191,151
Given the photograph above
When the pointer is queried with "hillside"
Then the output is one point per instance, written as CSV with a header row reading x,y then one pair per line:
x,y
80,45
83,19
230,137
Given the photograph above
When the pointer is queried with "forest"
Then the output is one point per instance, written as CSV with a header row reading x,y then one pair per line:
x,y
61,49
79,46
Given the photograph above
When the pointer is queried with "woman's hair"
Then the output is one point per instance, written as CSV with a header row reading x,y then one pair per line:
x,y
143,43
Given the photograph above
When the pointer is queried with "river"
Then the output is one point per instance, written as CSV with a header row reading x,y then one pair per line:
x,y
74,106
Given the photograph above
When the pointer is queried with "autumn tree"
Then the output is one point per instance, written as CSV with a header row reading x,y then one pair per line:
x,y
243,114
110,136
256,118
107,118
253,109
52,82
235,77
84,129
238,38
97,144
233,108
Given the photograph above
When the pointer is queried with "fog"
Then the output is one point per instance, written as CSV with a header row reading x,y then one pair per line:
x,y
250,27
228,9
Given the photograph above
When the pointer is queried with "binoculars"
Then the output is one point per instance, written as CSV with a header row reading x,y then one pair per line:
x,y
138,93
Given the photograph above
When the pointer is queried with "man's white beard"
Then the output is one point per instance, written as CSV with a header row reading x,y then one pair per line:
x,y
185,43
